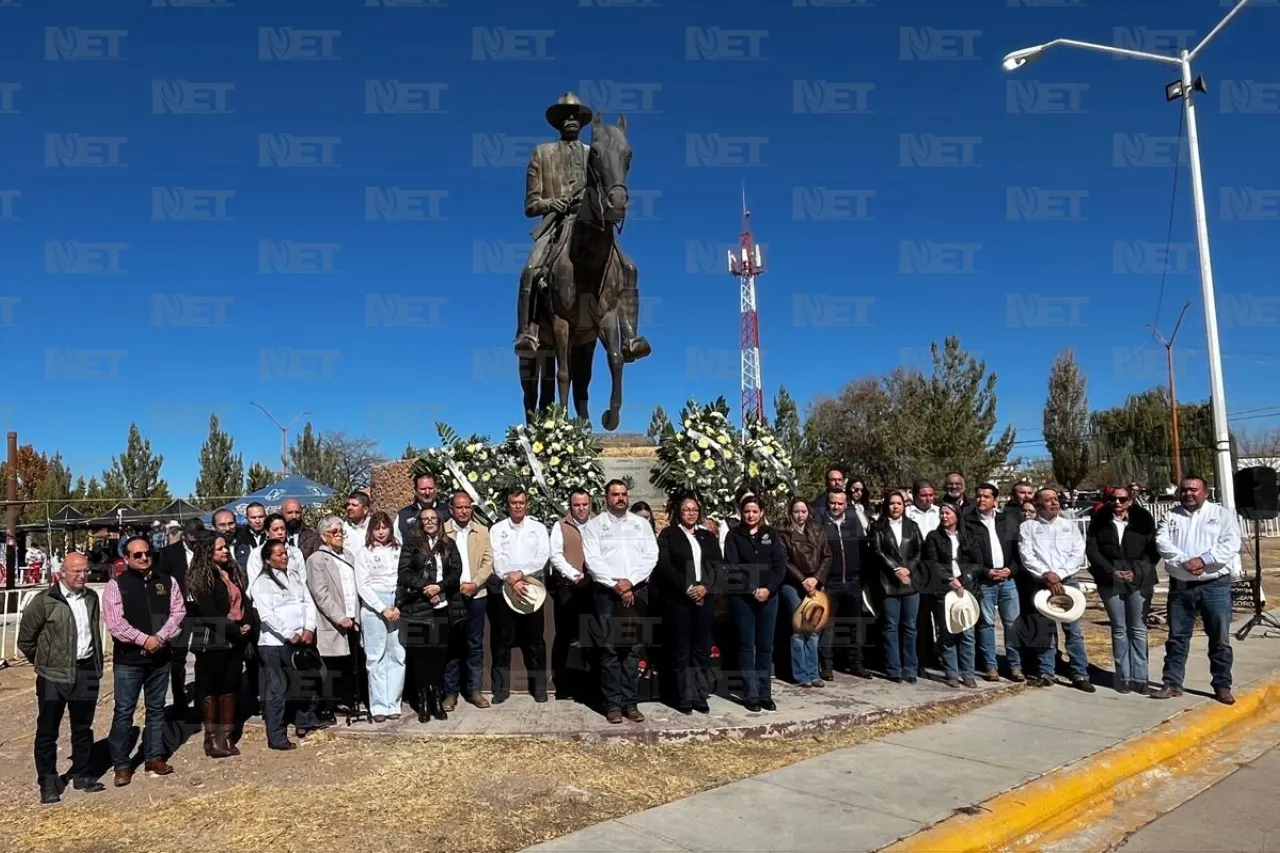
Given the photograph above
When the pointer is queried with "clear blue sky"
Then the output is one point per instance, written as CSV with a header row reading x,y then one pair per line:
x,y
162,321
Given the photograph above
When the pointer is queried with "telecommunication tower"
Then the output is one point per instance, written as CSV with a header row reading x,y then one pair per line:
x,y
745,265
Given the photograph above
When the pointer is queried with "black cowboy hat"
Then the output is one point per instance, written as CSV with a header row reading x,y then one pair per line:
x,y
304,659
568,105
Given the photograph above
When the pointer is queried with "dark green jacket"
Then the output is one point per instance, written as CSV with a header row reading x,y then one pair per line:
x,y
47,634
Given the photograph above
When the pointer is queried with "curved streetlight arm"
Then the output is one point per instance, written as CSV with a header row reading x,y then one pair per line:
x,y
1019,58
270,416
1213,32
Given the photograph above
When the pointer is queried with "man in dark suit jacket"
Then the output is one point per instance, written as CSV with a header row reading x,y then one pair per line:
x,y
175,559
304,539
844,588
987,530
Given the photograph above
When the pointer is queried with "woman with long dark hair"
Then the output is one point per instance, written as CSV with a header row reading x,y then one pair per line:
x,y
756,564
949,565
690,572
284,608
808,565
896,545
430,575
223,620
860,501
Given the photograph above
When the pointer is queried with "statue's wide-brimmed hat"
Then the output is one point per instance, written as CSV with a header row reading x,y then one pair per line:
x,y
569,104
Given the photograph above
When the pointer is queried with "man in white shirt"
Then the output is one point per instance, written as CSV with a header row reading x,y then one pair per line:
x,y
995,539
357,523
621,552
1200,543
521,549
573,593
1052,552
924,512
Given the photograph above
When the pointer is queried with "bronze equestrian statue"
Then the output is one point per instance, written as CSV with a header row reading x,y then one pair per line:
x,y
578,285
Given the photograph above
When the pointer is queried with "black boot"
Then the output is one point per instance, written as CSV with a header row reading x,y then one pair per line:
x,y
424,705
436,697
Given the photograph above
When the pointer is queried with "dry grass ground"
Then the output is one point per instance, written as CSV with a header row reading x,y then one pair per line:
x,y
455,794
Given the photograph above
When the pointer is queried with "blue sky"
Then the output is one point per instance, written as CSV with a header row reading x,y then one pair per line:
x,y
901,189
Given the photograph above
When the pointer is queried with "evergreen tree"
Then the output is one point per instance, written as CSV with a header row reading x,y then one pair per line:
x,y
259,477
55,490
135,475
1066,421
310,457
658,423
221,468
786,422
32,466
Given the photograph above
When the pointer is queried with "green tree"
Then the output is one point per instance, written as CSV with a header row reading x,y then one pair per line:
x,y
340,461
786,423
1066,421
259,477
221,468
1134,441
658,423
135,475
309,456
32,467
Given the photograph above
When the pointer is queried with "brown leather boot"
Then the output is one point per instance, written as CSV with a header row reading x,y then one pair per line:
x,y
212,729
227,722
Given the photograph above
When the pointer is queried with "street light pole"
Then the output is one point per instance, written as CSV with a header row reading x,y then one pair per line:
x,y
284,436
1184,88
1173,390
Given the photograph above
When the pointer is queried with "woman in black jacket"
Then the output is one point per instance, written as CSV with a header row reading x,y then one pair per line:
x,y
896,545
691,574
220,630
1120,545
756,563
430,575
949,565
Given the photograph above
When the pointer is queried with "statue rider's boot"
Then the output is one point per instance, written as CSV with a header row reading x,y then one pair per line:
x,y
526,342
634,347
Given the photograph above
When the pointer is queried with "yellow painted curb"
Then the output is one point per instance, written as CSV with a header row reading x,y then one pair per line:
x,y
1054,801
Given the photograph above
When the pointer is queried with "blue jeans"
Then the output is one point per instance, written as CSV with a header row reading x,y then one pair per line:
x,y
804,647
466,653
1002,596
1212,600
130,681
1128,633
384,656
756,623
1076,654
901,613
957,651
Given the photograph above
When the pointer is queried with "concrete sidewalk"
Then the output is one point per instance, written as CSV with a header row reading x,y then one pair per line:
x,y
869,796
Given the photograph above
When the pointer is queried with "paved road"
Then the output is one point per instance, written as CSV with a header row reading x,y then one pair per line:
x,y
1239,813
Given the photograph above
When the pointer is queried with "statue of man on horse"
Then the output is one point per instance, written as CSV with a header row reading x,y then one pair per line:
x,y
556,180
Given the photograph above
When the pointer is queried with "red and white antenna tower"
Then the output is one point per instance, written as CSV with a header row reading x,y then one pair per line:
x,y
745,265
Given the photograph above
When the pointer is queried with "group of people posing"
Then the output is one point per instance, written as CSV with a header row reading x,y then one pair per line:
x,y
351,612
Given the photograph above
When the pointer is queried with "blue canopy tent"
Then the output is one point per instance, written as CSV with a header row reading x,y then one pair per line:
x,y
307,492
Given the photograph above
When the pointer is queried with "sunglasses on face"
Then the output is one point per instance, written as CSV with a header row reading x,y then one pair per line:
x,y
1116,500
140,555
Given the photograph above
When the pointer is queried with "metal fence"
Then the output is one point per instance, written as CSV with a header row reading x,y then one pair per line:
x,y
12,603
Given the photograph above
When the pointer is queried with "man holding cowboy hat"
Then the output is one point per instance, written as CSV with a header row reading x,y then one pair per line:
x,y
553,185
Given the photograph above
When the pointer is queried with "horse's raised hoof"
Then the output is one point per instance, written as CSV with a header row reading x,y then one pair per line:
x,y
636,349
526,346
609,420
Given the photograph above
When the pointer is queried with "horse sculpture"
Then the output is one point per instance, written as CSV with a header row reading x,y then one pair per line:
x,y
585,296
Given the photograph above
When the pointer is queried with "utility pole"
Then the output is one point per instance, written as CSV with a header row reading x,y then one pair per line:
x,y
284,436
1173,390
11,514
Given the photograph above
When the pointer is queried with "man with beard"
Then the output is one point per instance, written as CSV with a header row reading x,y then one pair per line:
x,y
425,495
304,539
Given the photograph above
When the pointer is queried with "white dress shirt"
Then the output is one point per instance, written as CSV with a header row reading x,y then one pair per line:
x,y
954,536
1211,533
619,548
895,525
927,520
861,512
997,549
1051,546
558,561
347,578
377,568
80,612
435,558
521,548
1120,525
355,536
283,612
696,548
462,538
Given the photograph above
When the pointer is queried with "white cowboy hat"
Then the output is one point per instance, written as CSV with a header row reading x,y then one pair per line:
x,y
535,595
1064,608
962,612
866,602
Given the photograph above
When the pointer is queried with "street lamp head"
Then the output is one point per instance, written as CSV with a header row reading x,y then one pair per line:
x,y
1019,58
